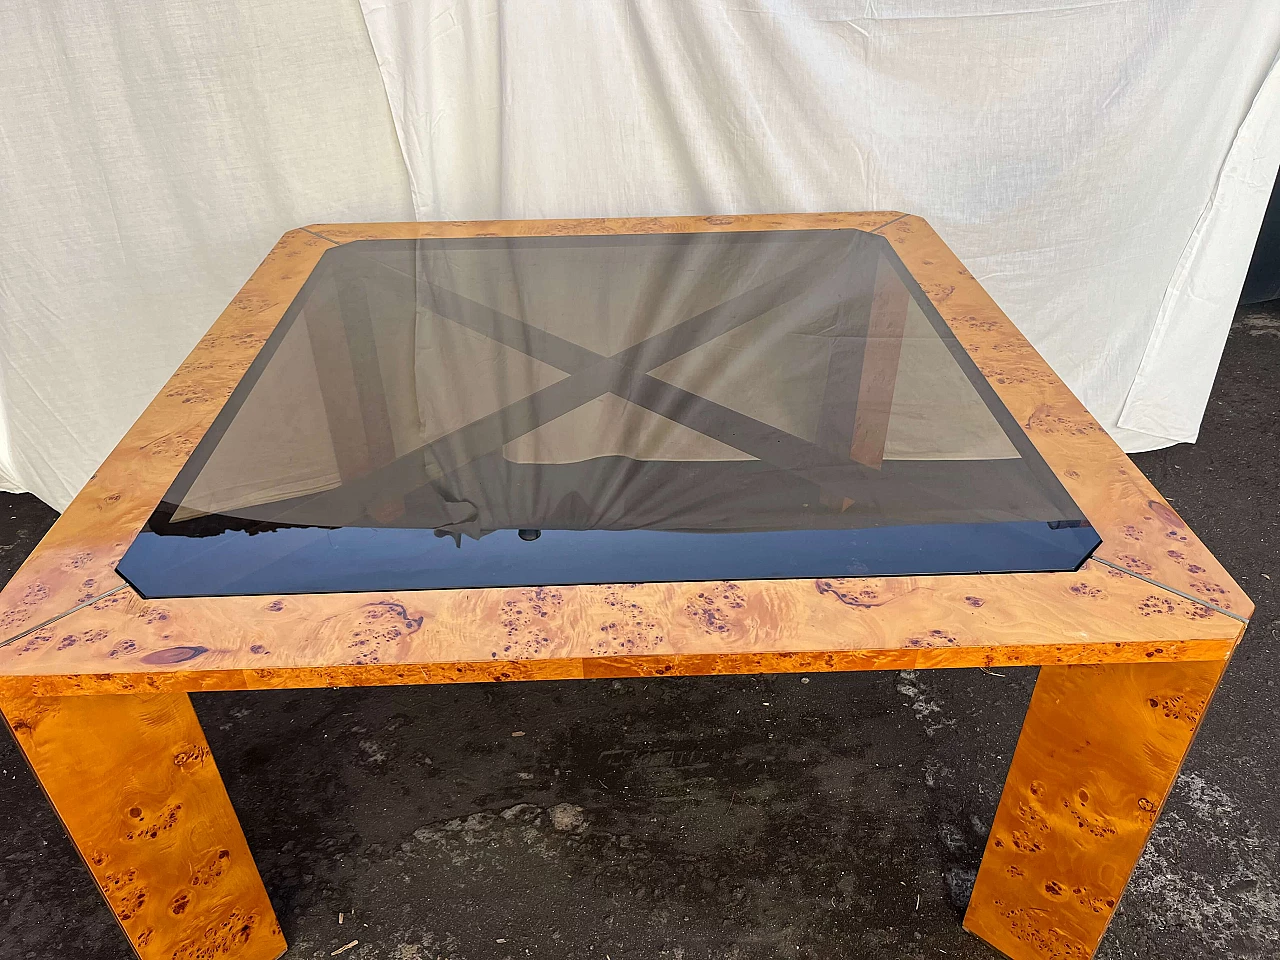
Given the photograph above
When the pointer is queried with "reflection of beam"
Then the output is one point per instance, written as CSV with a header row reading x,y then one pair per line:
x,y
846,329
885,327
362,344
862,370
344,345
777,447
339,377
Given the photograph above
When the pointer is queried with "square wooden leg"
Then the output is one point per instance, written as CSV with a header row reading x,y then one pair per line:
x,y
1098,754
136,787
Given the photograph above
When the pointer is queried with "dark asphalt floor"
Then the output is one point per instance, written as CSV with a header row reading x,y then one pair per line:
x,y
833,816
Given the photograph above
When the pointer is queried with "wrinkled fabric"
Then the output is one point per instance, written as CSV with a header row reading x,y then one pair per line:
x,y
714,381
1101,167
150,155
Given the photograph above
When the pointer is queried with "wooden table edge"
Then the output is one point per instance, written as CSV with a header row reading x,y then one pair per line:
x,y
342,233
616,667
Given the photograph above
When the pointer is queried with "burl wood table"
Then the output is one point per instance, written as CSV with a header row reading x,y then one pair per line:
x,y
463,452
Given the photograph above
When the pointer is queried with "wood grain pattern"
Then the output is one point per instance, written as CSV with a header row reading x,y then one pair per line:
x,y
1139,530
602,226
134,783
76,560
1097,614
124,643
1099,752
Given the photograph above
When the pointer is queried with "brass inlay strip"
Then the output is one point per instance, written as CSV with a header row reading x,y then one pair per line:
x,y
1165,586
65,613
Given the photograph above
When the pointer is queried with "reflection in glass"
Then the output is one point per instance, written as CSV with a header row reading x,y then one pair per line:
x,y
668,407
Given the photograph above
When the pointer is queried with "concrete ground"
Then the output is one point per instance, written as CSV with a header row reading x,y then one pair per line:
x,y
831,816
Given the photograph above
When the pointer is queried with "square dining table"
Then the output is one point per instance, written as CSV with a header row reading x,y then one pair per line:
x,y
521,450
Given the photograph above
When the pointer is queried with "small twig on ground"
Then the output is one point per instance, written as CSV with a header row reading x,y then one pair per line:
x,y
990,672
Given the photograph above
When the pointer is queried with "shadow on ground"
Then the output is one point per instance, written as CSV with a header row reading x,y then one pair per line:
x,y
729,817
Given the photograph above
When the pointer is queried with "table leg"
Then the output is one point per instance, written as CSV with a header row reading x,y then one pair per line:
x,y
136,787
1098,754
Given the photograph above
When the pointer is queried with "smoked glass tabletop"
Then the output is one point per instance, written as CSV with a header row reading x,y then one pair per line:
x,y
491,412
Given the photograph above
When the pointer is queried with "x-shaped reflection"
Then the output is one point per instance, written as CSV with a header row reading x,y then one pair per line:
x,y
627,375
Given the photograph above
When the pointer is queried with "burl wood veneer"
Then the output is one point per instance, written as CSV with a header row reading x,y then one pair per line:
x,y
135,785
93,678
1099,751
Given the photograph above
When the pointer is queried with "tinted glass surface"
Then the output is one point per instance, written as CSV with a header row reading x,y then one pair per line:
x,y
549,410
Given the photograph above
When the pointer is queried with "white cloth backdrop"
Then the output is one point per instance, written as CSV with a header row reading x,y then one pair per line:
x,y
1101,166
150,155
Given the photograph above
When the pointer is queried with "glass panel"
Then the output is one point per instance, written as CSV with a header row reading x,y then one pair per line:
x,y
548,410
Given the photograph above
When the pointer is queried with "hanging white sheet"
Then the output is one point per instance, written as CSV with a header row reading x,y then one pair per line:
x,y
150,155
1102,167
